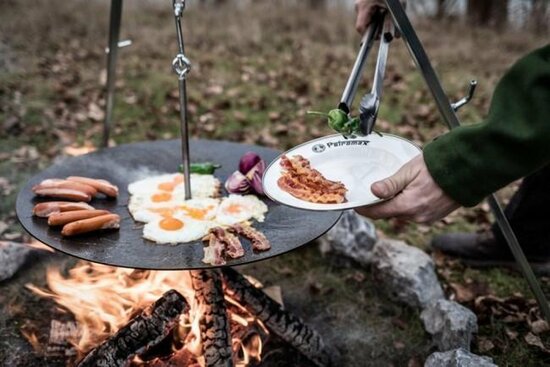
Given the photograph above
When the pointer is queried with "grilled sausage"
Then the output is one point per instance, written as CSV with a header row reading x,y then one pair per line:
x,y
50,207
102,186
65,184
60,219
91,224
68,194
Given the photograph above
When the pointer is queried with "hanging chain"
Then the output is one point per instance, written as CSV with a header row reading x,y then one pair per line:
x,y
181,64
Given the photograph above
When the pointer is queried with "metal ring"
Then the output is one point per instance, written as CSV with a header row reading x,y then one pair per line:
x,y
179,7
181,65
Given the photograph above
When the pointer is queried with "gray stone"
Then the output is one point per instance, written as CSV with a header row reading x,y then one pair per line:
x,y
12,256
406,272
458,358
450,324
353,236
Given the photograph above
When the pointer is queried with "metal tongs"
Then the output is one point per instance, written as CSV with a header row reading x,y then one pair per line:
x,y
370,103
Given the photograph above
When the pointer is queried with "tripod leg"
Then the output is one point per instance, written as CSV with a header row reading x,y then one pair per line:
x,y
114,31
448,114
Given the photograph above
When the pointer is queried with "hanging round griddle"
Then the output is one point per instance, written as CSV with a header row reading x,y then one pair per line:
x,y
286,228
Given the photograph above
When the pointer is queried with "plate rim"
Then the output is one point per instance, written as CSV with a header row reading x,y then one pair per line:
x,y
323,138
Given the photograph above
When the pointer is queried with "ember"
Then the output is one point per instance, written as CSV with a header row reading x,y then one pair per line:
x,y
105,299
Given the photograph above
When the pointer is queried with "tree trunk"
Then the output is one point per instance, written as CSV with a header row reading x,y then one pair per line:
x,y
539,16
493,13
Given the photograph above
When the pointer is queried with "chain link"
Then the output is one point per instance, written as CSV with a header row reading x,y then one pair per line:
x,y
181,64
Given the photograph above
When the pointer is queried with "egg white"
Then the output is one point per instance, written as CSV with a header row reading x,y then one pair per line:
x,y
250,207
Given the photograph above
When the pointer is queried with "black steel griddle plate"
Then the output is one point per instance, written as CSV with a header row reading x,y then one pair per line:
x,y
285,227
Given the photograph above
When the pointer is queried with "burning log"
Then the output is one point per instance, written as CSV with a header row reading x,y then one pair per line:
x,y
140,334
214,324
286,326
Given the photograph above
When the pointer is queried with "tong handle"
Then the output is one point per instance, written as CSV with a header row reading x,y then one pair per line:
x,y
366,44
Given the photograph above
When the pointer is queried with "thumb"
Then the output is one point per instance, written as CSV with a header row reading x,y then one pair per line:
x,y
393,185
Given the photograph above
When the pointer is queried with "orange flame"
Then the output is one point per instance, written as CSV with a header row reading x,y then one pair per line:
x,y
103,299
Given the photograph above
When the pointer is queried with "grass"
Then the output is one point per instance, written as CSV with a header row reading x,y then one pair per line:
x,y
256,71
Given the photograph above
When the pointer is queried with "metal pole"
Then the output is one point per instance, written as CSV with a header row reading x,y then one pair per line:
x,y
114,31
449,116
182,66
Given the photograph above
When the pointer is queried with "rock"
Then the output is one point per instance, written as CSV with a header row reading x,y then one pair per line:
x,y
450,324
458,358
353,236
12,256
406,272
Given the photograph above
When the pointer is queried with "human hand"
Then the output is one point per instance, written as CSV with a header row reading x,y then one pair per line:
x,y
366,9
413,195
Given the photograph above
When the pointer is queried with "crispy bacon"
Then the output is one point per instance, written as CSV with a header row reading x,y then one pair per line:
x,y
233,246
306,183
220,242
258,239
213,253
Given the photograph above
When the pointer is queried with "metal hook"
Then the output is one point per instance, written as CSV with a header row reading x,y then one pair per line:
x,y
181,65
463,101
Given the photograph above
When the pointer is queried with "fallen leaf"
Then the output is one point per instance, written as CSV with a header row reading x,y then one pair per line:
x,y
535,341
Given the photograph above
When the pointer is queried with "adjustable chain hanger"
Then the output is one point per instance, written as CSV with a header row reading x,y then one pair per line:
x,y
181,66
447,111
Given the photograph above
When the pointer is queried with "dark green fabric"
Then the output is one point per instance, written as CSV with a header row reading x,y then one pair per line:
x,y
471,162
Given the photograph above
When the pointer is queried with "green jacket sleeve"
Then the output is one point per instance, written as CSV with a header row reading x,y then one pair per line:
x,y
471,162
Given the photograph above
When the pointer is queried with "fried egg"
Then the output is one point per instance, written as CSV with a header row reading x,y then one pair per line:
x,y
165,186
175,229
237,208
160,203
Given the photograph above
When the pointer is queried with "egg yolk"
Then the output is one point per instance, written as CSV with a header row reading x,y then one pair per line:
x,y
161,196
170,185
234,209
164,212
196,213
166,186
171,224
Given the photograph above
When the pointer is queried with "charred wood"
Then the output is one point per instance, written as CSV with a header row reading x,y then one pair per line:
x,y
214,324
285,325
141,333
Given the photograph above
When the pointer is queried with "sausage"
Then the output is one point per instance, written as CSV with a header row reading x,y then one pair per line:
x,y
60,219
65,184
102,186
50,207
91,224
68,194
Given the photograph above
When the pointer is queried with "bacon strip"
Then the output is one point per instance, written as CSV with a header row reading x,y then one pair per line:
x,y
258,239
233,246
50,207
100,185
106,221
60,219
306,183
213,253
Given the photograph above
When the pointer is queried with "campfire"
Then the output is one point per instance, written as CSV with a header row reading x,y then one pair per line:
x,y
169,318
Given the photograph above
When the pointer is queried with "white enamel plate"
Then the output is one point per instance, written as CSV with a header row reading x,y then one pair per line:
x,y
357,162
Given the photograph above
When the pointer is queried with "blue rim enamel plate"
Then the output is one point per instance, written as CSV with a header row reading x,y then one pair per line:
x,y
357,162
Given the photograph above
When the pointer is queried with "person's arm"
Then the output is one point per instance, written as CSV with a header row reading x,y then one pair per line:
x,y
470,162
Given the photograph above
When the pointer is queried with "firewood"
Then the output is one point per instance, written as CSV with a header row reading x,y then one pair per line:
x,y
214,324
285,325
142,332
